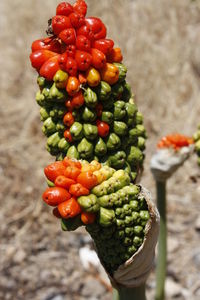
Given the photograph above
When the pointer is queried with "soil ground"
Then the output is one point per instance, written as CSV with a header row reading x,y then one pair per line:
x,y
160,40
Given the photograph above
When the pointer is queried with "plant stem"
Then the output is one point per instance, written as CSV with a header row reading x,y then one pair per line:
x,y
137,293
162,242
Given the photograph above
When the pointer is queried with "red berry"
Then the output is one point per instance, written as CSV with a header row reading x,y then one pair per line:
x,y
103,128
78,100
71,50
80,7
64,182
59,23
83,43
83,60
104,45
76,20
39,57
71,66
49,68
68,136
69,105
98,58
62,60
97,27
53,170
64,9
68,36
55,195
86,30
49,43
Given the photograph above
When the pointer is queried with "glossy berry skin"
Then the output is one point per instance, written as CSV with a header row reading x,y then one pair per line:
x,y
83,60
103,128
72,172
67,136
78,100
86,30
76,20
73,86
104,45
110,73
71,66
82,78
83,43
55,195
69,208
68,36
49,68
80,7
68,119
59,23
49,43
98,58
73,163
71,50
69,105
97,27
87,179
53,170
93,77
62,60
64,182
64,9
78,190
39,57
115,56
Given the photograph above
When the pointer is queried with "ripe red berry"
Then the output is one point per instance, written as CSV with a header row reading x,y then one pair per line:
x,y
62,60
83,60
80,7
71,66
86,30
68,36
59,23
71,50
83,43
104,45
98,58
64,9
49,68
103,128
55,195
76,20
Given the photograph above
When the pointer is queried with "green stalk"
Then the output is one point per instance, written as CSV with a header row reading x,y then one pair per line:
x,y
137,293
162,242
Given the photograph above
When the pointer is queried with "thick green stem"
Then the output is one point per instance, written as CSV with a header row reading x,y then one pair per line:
x,y
162,242
137,293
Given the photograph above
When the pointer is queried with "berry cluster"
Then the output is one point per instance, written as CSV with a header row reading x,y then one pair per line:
x,y
175,141
78,47
88,108
113,210
89,113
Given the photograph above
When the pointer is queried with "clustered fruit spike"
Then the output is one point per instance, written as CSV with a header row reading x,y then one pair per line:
x,y
87,107
94,130
196,138
175,141
104,200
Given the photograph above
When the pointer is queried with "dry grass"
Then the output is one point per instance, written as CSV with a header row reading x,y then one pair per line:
x,y
160,40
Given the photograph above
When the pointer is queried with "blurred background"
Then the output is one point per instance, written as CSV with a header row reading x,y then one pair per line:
x,y
160,40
